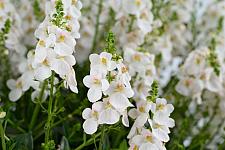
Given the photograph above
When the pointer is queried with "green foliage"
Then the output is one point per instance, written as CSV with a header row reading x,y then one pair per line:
x,y
212,58
153,92
58,17
110,43
37,10
4,31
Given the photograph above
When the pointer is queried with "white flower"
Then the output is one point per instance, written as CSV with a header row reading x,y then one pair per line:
x,y
70,81
145,141
189,86
42,68
97,84
141,113
145,21
119,94
62,40
19,86
102,62
91,116
161,131
2,114
108,115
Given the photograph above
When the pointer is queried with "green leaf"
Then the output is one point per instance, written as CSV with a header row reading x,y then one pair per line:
x,y
123,145
24,141
64,144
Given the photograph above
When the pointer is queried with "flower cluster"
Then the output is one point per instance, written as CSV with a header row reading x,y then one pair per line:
x,y
197,74
134,20
109,81
54,51
143,76
152,122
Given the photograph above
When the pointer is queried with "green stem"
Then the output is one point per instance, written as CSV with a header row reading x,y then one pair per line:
x,y
37,107
49,120
89,142
102,138
16,126
2,136
97,26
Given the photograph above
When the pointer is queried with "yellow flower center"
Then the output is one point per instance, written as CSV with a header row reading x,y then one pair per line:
x,y
108,105
119,88
149,138
142,109
135,147
197,61
96,81
138,2
124,69
149,72
74,2
41,43
137,57
160,107
45,62
19,84
187,83
95,114
68,17
2,5
104,61
61,38
156,126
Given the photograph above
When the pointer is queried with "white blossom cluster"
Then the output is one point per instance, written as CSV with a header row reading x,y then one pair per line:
x,y
157,115
134,20
196,75
54,51
16,49
109,82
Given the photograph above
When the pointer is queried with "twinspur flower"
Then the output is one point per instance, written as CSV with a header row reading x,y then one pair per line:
x,y
55,48
109,87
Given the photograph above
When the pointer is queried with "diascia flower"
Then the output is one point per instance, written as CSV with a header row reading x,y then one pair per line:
x,y
110,78
91,116
54,51
97,83
102,62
